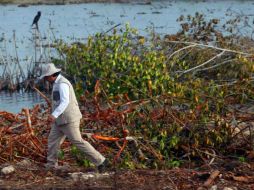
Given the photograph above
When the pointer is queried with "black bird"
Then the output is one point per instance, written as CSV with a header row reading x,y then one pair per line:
x,y
36,19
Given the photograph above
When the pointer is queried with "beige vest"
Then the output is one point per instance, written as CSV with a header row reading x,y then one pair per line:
x,y
72,112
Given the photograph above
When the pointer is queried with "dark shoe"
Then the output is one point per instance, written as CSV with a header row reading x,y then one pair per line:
x,y
104,166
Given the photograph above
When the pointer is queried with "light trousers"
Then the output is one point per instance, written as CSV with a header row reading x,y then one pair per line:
x,y
57,135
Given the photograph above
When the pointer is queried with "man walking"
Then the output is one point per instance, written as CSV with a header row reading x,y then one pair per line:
x,y
65,119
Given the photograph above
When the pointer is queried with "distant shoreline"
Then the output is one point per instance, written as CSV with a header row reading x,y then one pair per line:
x,y
24,3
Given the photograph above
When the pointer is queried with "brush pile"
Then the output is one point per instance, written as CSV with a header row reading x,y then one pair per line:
x,y
109,126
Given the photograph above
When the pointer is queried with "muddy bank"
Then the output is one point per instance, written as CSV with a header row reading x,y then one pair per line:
x,y
63,2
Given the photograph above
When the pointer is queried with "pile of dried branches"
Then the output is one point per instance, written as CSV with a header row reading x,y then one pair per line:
x,y
123,127
24,135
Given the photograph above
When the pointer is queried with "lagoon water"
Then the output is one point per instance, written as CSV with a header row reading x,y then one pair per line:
x,y
14,102
77,21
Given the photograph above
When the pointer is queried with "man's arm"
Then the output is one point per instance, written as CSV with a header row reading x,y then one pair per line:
x,y
64,100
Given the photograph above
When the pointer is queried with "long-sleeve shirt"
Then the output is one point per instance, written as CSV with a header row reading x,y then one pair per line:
x,y
64,97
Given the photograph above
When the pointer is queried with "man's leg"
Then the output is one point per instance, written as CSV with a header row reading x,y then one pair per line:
x,y
72,132
55,139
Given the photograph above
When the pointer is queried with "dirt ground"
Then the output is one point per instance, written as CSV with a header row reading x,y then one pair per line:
x,y
234,176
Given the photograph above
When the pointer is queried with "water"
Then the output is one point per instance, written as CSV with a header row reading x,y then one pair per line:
x,y
77,22
72,22
14,102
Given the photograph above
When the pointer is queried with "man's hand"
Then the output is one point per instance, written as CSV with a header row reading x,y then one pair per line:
x,y
51,119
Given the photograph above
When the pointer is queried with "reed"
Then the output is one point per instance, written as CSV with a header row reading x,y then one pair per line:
x,y
13,74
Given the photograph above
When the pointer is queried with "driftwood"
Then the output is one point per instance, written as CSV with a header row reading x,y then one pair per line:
x,y
212,177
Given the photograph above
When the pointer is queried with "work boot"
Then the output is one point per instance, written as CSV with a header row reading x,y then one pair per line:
x,y
104,166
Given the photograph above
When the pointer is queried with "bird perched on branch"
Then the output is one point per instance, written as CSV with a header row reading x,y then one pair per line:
x,y
36,19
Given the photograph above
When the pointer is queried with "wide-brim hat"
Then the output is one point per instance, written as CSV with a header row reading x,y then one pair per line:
x,y
48,70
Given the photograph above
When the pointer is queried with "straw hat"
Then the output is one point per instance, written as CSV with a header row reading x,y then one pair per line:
x,y
48,70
